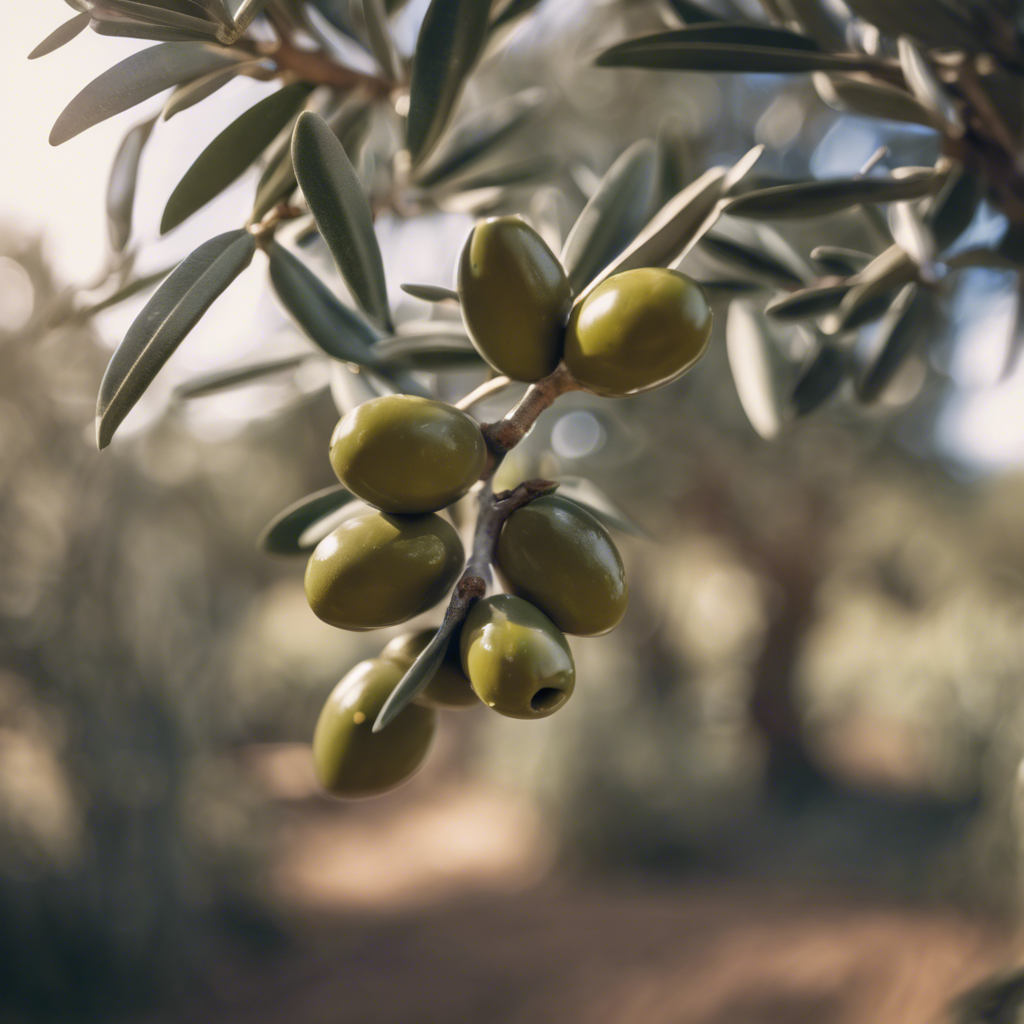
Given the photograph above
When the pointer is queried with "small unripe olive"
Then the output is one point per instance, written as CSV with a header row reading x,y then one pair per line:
x,y
636,331
449,688
379,570
516,659
558,557
406,454
350,759
515,298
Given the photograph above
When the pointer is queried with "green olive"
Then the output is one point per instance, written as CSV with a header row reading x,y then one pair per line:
x,y
516,659
558,557
379,570
515,298
636,331
407,454
449,688
350,759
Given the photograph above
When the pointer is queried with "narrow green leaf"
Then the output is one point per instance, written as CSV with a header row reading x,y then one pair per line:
x,y
111,9
927,88
871,99
671,230
675,159
519,172
450,41
127,291
873,287
759,371
382,44
477,135
59,36
691,13
420,672
726,33
913,236
727,57
135,79
819,378
218,10
819,198
232,152
807,303
953,209
146,30
339,331
756,264
336,200
191,93
840,261
227,380
431,293
163,324
616,212
725,290
124,175
934,22
432,354
287,533
510,13
880,358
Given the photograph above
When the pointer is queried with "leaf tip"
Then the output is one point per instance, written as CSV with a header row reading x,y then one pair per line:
x,y
103,435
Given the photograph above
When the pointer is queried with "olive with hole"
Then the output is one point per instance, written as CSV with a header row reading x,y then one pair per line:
x,y
406,454
449,687
517,660
637,331
515,298
350,759
558,557
379,570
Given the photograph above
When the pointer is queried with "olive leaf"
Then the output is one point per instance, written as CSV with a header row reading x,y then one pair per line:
x,y
145,30
871,99
675,160
619,208
672,228
418,675
191,93
451,39
838,260
226,380
748,261
819,378
953,208
758,369
512,11
124,175
378,33
288,532
232,152
336,200
475,136
115,10
431,292
122,294
723,290
934,22
690,12
691,55
913,236
432,353
590,497
339,331
807,303
518,172
135,79
726,33
869,296
880,356
819,198
926,87
162,325
61,35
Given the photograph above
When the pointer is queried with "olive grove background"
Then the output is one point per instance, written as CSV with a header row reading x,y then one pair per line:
x,y
817,687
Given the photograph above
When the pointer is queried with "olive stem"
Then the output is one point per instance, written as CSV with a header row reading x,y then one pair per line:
x,y
472,585
478,395
502,436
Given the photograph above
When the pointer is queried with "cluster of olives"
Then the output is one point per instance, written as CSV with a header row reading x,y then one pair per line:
x,y
411,457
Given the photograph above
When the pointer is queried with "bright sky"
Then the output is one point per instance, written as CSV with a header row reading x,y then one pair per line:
x,y
60,191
